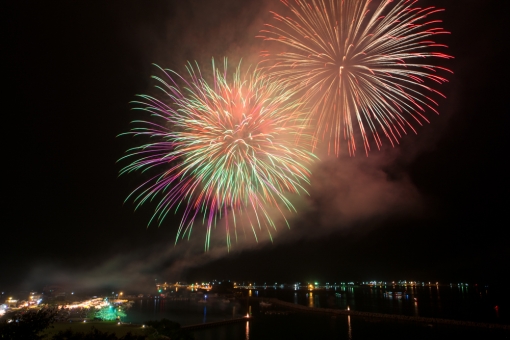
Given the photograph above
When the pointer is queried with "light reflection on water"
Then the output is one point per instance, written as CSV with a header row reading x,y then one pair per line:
x,y
343,327
466,303
184,312
445,302
350,327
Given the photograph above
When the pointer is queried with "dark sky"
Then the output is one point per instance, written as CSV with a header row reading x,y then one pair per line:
x,y
433,208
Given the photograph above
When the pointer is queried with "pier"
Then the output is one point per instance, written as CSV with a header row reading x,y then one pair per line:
x,y
395,317
214,324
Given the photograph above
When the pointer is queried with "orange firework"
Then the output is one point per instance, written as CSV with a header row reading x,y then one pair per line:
x,y
359,63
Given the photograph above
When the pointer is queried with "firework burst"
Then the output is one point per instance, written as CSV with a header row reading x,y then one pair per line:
x,y
220,150
360,63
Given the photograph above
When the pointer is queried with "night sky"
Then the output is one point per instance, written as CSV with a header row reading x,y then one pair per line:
x,y
433,208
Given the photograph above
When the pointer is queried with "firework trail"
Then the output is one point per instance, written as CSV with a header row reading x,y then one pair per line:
x,y
221,149
357,62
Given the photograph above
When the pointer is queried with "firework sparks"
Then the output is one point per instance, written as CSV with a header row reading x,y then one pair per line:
x,y
221,149
360,63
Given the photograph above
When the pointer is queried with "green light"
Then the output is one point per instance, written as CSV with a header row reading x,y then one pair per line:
x,y
109,314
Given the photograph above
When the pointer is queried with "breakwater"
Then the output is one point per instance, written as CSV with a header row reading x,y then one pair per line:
x,y
370,315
